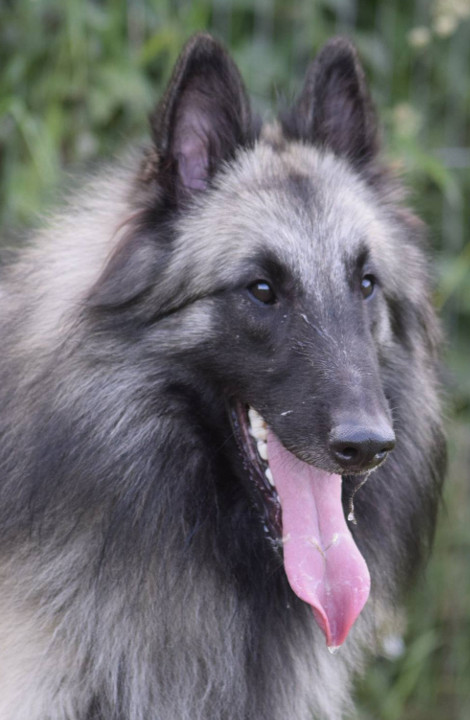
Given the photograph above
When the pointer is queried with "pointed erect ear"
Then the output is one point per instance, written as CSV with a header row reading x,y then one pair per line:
x,y
334,108
202,119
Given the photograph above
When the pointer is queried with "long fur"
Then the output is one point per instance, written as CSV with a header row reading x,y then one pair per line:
x,y
136,579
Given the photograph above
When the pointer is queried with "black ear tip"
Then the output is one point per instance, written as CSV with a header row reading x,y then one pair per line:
x,y
340,44
339,51
202,45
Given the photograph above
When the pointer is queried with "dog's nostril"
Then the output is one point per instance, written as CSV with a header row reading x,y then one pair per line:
x,y
348,453
384,451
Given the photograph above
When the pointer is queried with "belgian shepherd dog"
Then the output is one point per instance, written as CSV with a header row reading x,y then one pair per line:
x,y
204,357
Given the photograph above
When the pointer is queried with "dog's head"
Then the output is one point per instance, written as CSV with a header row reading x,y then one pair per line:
x,y
280,260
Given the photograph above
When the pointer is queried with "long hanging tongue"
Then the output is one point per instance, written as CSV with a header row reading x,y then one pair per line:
x,y
322,562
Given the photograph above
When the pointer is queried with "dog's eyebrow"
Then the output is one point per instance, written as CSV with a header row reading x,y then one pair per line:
x,y
270,264
355,258
362,255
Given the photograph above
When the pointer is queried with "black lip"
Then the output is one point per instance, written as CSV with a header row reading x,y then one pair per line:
x,y
263,494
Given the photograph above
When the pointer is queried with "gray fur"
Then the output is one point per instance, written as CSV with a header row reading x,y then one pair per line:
x,y
114,603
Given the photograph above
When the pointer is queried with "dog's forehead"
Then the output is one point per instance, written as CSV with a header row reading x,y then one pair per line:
x,y
304,206
310,208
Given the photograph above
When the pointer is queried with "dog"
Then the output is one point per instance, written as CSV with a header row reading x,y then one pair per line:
x,y
205,356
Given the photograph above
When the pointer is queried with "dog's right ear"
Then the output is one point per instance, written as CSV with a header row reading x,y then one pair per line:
x,y
334,110
202,119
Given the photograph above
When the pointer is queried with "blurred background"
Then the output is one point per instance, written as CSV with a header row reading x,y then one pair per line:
x,y
77,81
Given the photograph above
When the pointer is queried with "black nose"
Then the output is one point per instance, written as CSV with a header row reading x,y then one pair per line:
x,y
358,448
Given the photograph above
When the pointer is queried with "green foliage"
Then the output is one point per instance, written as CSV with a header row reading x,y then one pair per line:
x,y
78,79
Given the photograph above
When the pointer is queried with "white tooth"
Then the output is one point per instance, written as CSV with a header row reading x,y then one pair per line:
x,y
262,433
254,417
269,475
262,450
258,432
258,428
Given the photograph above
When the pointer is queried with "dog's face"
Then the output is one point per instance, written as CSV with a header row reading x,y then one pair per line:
x,y
298,266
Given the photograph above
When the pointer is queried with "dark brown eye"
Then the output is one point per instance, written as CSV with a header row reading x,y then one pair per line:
x,y
263,292
367,286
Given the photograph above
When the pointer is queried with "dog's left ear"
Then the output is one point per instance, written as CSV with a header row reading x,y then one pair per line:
x,y
334,109
202,119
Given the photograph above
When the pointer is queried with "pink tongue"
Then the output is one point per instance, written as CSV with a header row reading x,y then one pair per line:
x,y
323,565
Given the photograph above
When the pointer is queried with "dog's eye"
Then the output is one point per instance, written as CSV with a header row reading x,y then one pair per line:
x,y
367,286
263,292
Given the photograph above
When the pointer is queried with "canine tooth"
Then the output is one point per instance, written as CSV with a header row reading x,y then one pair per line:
x,y
269,475
262,449
254,417
262,434
258,428
259,432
